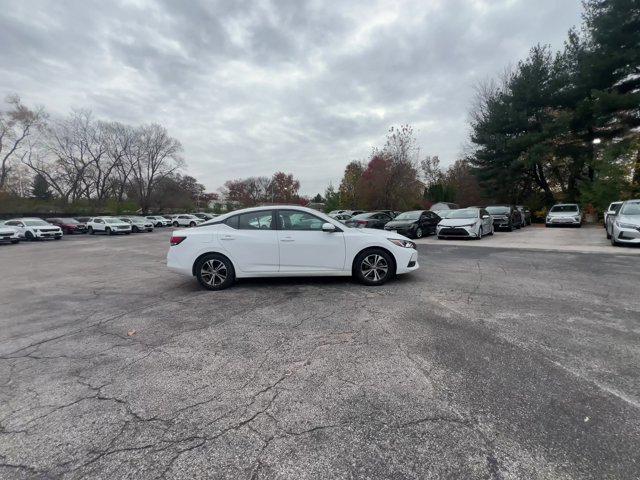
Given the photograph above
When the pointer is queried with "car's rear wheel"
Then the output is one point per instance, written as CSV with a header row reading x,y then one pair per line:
x,y
175,224
215,272
192,224
614,242
374,267
90,230
15,241
108,231
419,232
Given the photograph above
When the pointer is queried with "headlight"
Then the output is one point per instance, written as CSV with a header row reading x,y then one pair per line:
x,y
577,219
625,225
402,243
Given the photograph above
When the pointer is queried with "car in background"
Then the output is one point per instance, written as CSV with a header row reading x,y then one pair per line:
x,y
287,241
526,215
437,207
414,224
138,224
612,211
369,220
205,216
505,217
391,213
567,214
35,228
466,223
332,213
158,220
9,234
82,219
108,225
185,220
69,226
342,217
625,226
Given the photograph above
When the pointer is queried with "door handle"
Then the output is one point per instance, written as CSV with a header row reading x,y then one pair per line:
x,y
227,237
287,240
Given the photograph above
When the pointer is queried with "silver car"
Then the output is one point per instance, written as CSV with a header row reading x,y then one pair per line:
x,y
138,224
625,226
466,223
567,214
612,211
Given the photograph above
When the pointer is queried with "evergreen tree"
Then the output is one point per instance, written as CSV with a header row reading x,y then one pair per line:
x,y
40,188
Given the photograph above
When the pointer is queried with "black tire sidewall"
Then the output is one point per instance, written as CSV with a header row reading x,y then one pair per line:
x,y
231,272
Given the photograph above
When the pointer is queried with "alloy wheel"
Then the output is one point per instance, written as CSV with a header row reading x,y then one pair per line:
x,y
213,272
419,233
374,267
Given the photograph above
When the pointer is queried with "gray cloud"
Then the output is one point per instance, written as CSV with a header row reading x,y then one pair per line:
x,y
251,87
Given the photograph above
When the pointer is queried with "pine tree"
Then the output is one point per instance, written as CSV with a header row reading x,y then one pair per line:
x,y
40,188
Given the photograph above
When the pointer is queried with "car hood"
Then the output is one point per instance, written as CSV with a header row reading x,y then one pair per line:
x,y
632,220
400,223
456,222
374,232
563,214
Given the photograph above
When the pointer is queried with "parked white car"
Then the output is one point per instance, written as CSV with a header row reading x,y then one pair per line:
x,y
466,223
625,226
612,211
35,228
564,214
159,221
9,234
186,220
287,241
138,224
108,225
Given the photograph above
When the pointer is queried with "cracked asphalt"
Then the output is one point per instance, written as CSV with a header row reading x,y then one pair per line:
x,y
484,364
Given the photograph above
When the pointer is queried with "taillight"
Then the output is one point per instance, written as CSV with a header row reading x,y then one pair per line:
x,y
362,223
176,240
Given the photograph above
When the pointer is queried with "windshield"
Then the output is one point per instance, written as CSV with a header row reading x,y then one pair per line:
x,y
69,221
498,210
35,223
415,215
113,220
564,208
464,213
631,209
362,216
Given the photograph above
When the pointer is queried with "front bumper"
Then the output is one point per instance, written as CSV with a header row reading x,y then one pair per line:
x,y
627,235
57,234
457,232
563,221
406,260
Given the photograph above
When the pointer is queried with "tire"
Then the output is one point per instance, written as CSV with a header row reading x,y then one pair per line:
x,y
127,233
440,238
175,224
608,234
158,225
614,242
192,224
215,272
546,225
419,232
15,241
29,237
90,231
511,228
373,267
108,231
135,229
57,238
480,233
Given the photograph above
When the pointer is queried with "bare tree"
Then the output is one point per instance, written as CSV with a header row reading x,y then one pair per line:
x,y
16,126
153,155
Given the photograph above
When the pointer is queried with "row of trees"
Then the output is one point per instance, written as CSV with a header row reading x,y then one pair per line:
x,y
565,126
249,192
80,159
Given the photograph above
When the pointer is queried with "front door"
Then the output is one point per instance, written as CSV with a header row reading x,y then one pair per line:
x,y
305,247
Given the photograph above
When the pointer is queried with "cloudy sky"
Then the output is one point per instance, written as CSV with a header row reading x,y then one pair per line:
x,y
253,87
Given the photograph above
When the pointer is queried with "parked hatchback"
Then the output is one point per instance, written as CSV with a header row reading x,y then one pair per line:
x,y
414,224
567,214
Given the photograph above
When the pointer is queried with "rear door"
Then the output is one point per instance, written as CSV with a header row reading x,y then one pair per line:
x,y
304,247
251,241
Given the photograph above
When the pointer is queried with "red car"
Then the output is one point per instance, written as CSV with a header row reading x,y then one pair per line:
x,y
69,225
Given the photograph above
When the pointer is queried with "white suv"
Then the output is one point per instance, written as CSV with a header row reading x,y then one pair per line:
x,y
138,224
108,225
9,234
159,221
185,220
35,228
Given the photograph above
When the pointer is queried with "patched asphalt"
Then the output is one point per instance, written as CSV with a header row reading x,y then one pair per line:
x,y
487,363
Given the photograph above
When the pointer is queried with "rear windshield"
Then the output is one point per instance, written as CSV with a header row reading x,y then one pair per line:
x,y
564,208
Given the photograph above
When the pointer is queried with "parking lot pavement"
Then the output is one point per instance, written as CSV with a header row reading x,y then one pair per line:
x,y
588,239
484,364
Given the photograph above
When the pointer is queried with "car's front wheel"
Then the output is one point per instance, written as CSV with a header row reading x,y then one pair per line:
x,y
90,230
108,231
373,267
29,236
215,272
175,224
192,224
419,232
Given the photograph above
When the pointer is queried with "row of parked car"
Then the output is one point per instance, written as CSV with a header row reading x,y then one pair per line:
x,y
622,222
30,228
445,220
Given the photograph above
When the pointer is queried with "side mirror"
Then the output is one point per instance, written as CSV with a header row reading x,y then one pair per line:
x,y
328,227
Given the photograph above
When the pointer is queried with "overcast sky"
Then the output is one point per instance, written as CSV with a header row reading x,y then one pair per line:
x,y
253,87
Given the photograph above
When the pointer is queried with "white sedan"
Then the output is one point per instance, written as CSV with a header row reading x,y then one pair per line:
x,y
469,222
287,241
